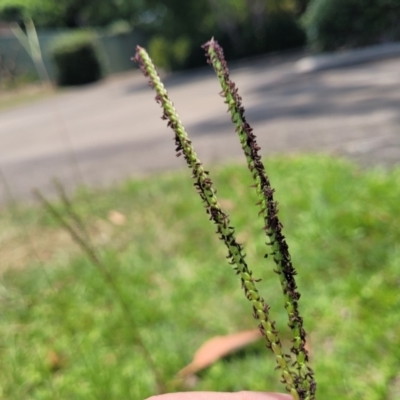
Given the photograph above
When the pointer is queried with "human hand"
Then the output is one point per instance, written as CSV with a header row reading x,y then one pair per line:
x,y
222,396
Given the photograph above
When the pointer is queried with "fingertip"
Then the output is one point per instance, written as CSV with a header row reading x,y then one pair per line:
x,y
245,395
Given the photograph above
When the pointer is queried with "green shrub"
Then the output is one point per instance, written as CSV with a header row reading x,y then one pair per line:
x,y
334,24
119,27
76,59
170,54
281,31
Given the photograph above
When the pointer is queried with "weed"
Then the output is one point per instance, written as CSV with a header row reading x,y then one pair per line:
x,y
299,383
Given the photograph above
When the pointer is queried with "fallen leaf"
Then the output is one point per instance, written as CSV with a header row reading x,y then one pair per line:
x,y
243,237
216,348
55,361
116,218
227,204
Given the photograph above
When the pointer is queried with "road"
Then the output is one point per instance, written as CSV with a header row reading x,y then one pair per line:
x,y
103,133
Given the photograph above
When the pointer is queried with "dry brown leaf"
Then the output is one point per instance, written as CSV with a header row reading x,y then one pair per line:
x,y
227,204
55,361
116,218
216,348
243,237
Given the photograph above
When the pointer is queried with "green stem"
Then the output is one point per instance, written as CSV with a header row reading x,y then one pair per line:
x,y
226,232
304,381
91,253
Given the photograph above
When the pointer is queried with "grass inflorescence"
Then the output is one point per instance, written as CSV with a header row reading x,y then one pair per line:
x,y
300,382
226,232
305,382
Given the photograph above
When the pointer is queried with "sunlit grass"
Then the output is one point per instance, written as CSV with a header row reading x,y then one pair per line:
x,y
64,334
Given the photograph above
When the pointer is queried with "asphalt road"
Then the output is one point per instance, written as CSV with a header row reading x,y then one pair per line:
x,y
103,133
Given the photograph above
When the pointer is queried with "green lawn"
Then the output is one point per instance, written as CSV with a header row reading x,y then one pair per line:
x,y
64,334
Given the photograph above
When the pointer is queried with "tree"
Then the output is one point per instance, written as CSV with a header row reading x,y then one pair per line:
x,y
72,13
335,24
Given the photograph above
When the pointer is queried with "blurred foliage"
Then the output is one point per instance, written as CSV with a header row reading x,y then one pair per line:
x,y
243,27
119,27
70,13
76,58
169,54
334,24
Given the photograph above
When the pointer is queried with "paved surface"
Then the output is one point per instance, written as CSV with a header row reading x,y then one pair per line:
x,y
348,57
106,132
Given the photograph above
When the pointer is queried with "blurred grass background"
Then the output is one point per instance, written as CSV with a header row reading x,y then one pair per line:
x,y
64,334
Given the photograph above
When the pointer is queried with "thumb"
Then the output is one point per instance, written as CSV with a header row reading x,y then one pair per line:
x,y
222,396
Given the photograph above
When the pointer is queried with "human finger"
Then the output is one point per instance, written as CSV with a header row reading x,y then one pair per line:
x,y
222,396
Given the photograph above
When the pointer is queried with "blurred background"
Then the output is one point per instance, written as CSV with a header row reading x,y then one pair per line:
x,y
120,307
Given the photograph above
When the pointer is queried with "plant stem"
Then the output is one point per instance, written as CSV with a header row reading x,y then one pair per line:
x,y
304,381
71,211
226,232
91,253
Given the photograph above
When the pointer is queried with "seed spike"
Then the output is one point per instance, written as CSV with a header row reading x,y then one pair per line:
x,y
204,186
304,383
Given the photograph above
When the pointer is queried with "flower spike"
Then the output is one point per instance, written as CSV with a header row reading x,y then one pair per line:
x,y
226,232
304,378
